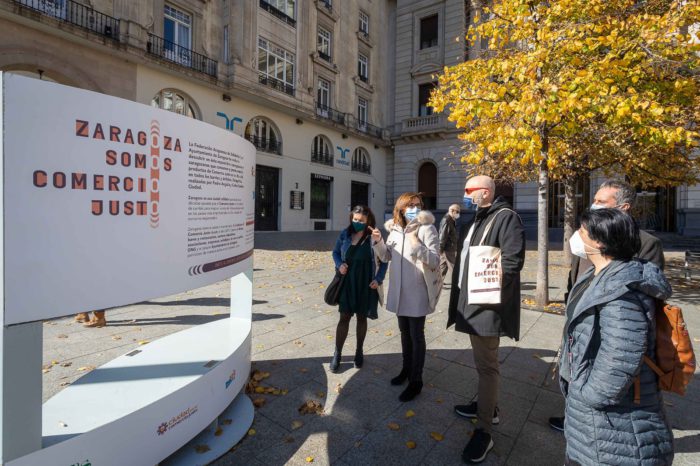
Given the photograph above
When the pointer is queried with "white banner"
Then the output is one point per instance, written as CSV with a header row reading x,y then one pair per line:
x,y
109,202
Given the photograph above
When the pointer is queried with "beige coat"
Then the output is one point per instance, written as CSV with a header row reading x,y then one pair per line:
x,y
415,281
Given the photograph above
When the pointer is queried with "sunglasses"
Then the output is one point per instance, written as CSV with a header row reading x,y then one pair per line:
x,y
471,190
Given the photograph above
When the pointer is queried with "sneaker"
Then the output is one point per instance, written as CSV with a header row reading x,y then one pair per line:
x,y
557,423
478,447
469,411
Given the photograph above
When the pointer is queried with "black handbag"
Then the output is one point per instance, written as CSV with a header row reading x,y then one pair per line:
x,y
332,294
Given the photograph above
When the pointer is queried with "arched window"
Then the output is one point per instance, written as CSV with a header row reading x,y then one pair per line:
x,y
360,160
176,101
321,151
427,184
264,135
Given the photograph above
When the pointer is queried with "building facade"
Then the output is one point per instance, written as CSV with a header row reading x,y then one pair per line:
x,y
333,93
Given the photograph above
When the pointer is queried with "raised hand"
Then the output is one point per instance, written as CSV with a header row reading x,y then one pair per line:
x,y
376,234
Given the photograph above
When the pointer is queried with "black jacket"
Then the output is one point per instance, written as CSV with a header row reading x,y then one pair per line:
x,y
448,235
651,251
487,320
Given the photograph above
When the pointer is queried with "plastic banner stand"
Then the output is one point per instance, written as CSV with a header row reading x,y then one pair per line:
x,y
107,202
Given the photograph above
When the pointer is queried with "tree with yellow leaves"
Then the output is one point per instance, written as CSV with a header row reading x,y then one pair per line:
x,y
568,86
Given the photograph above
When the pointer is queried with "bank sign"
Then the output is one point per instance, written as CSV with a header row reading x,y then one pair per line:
x,y
109,202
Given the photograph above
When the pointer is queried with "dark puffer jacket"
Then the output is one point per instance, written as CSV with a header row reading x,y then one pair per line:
x,y
611,328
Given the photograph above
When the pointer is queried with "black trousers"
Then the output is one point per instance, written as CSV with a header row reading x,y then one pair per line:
x,y
413,346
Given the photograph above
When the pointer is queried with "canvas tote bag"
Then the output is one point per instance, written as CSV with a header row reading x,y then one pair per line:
x,y
485,272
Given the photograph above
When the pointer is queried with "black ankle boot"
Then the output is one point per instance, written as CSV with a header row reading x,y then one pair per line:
x,y
401,378
359,358
412,391
335,362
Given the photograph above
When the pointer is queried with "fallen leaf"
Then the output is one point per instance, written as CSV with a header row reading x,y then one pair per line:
x,y
289,439
303,370
201,448
284,392
320,394
330,337
437,436
144,342
251,432
227,422
259,402
116,337
410,444
410,413
45,371
439,400
393,426
338,389
389,333
53,363
85,368
62,336
259,389
218,431
296,424
309,459
66,364
63,384
311,407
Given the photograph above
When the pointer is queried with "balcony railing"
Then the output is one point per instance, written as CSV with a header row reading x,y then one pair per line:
x,y
330,113
362,167
366,128
76,14
277,13
363,78
324,56
424,123
272,146
276,84
183,56
322,157
327,4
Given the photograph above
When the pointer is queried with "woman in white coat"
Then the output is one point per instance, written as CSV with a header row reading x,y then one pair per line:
x,y
414,282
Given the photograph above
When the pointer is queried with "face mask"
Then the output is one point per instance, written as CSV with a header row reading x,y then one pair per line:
x,y
358,226
597,207
411,213
578,247
469,203
456,216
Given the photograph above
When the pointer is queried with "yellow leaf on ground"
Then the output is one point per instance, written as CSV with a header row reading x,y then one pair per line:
x,y
259,402
389,333
296,424
410,444
393,426
251,432
54,362
309,459
201,448
85,368
437,436
144,342
116,337
227,422
410,413
218,431
320,394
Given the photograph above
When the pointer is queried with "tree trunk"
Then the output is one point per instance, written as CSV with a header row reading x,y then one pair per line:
x,y
542,291
569,214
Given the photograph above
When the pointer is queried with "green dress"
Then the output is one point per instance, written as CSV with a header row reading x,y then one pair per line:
x,y
356,297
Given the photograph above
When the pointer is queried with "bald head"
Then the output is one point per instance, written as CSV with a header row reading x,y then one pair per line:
x,y
482,190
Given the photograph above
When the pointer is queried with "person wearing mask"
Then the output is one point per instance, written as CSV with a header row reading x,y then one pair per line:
x,y
448,239
361,291
495,224
414,282
610,327
618,195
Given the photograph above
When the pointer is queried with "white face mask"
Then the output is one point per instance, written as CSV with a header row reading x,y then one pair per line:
x,y
597,206
578,247
456,216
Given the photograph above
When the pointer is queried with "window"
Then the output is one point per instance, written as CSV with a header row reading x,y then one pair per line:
x,y
424,91
362,67
284,6
225,51
177,32
359,193
324,44
321,151
364,23
276,66
360,160
429,32
323,96
320,196
175,101
362,112
264,135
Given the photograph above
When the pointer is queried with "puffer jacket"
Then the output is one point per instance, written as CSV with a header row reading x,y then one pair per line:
x,y
342,244
606,334
415,280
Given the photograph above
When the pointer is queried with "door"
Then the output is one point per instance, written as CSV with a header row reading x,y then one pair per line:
x,y
359,194
427,184
266,198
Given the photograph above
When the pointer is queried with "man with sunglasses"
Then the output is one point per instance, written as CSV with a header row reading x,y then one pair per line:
x,y
486,323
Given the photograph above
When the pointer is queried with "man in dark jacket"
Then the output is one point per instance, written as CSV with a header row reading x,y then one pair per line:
x,y
620,195
495,224
448,239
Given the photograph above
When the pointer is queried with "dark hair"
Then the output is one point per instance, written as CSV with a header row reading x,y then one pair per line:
x,y
362,210
615,230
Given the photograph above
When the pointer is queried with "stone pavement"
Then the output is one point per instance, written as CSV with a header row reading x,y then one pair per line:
x,y
293,339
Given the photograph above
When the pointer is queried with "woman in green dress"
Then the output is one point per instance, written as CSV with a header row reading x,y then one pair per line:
x,y
361,290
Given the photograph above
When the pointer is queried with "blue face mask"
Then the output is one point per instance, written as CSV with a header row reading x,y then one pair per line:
x,y
411,213
469,203
358,226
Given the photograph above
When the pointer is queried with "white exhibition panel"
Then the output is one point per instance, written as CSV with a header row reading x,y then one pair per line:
x,y
110,202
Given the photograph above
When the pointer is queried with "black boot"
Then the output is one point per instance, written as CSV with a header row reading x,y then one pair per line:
x,y
335,362
412,391
359,358
401,378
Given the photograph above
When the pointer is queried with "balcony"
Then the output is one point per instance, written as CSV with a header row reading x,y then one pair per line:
x,y
326,8
276,84
362,167
182,56
322,157
279,14
77,15
424,126
371,130
324,56
329,113
363,78
271,146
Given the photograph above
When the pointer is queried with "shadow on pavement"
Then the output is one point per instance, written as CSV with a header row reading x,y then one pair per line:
x,y
176,320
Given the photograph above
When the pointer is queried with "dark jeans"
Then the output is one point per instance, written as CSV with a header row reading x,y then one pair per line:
x,y
413,346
